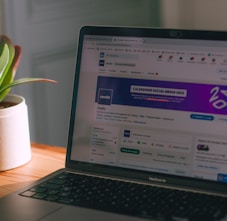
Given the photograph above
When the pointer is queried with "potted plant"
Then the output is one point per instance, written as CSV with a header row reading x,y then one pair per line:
x,y
14,128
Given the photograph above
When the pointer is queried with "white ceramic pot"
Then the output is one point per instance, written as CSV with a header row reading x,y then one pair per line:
x,y
15,148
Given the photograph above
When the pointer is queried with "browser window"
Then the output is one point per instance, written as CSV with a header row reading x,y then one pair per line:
x,y
160,105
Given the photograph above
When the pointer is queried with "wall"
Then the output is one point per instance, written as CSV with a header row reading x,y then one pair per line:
x,y
194,14
1,18
31,17
48,31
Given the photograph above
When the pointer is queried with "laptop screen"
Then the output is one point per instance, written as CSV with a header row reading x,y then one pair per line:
x,y
152,101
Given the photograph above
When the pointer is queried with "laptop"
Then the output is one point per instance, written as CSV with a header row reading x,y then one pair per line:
x,y
147,137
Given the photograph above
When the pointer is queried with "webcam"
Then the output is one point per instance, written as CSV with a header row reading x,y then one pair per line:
x,y
175,34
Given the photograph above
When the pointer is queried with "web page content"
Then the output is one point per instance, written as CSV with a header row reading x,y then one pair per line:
x,y
156,108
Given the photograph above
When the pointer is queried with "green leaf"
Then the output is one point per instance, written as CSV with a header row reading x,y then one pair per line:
x,y
9,61
4,59
23,81
8,42
9,77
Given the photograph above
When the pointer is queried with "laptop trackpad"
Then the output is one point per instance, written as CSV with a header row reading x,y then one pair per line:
x,y
81,214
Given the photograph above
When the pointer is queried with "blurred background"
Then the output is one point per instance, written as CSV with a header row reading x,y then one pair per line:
x,y
48,31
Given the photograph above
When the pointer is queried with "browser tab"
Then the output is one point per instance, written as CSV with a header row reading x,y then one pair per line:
x,y
129,40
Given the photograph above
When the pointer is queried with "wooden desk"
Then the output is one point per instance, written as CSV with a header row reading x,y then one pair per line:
x,y
45,159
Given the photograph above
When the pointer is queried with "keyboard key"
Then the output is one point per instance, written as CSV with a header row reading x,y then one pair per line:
x,y
130,198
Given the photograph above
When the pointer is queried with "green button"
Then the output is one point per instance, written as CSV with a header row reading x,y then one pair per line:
x,y
129,150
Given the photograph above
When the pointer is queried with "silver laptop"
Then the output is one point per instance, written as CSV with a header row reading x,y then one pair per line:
x,y
148,131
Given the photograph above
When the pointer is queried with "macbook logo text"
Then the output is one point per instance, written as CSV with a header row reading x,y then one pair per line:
x,y
155,179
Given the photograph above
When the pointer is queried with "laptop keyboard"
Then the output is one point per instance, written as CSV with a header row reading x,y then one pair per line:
x,y
129,198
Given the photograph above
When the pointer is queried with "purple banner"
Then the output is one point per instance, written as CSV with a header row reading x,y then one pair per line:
x,y
200,98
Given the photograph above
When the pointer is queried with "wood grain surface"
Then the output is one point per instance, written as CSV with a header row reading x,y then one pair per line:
x,y
45,159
